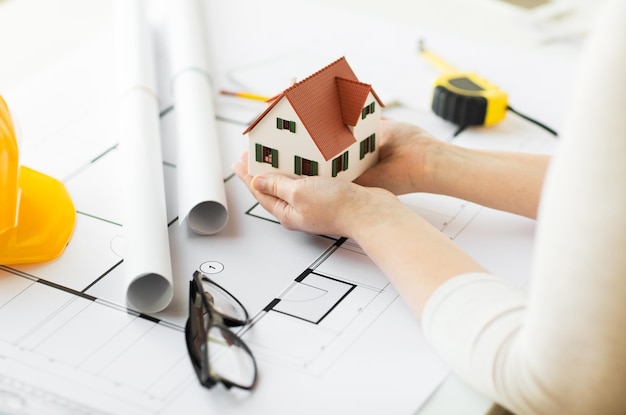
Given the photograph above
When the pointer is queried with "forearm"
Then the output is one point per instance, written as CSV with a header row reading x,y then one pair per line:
x,y
505,181
414,255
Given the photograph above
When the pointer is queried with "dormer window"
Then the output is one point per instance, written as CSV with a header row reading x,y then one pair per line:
x,y
369,109
286,125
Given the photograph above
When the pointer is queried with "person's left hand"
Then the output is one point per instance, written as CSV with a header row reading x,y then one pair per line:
x,y
315,204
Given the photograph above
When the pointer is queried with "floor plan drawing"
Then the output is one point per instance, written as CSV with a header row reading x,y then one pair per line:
x,y
308,310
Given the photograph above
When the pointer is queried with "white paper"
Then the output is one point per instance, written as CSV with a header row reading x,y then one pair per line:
x,y
202,198
147,262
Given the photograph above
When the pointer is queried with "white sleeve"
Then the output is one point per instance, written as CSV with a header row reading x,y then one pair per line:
x,y
560,348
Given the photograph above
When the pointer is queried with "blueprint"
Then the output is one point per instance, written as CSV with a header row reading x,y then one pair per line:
x,y
328,330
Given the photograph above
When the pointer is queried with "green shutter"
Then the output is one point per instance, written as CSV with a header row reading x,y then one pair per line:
x,y
334,168
274,158
292,126
363,113
362,149
372,107
279,123
345,161
314,168
297,165
258,149
373,142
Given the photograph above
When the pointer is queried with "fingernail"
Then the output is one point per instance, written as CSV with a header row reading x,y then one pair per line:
x,y
259,183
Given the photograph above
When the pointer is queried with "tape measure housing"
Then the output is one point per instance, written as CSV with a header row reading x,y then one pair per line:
x,y
467,99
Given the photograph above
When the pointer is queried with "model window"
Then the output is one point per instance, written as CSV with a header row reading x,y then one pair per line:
x,y
305,167
367,146
286,125
340,164
369,109
266,155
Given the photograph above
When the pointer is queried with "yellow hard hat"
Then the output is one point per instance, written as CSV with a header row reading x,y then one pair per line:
x,y
37,216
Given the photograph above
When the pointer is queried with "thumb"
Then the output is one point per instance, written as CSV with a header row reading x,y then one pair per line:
x,y
276,185
268,184
259,183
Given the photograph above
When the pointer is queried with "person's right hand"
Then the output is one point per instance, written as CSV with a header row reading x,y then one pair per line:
x,y
402,167
321,205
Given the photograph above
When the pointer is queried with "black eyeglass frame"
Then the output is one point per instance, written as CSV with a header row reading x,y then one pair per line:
x,y
195,328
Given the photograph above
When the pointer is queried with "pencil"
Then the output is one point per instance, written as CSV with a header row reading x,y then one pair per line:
x,y
246,95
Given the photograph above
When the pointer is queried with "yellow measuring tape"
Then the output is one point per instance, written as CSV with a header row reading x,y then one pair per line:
x,y
464,98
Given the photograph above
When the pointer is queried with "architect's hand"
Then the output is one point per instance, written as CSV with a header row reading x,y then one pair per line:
x,y
317,204
403,165
411,160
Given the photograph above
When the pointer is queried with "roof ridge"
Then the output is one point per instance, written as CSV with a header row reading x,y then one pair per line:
x,y
316,73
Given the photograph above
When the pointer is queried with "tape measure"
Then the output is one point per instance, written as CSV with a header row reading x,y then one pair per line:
x,y
465,98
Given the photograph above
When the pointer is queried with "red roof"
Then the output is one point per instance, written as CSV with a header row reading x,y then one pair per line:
x,y
327,102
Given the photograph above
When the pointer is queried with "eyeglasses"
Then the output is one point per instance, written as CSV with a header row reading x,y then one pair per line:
x,y
216,352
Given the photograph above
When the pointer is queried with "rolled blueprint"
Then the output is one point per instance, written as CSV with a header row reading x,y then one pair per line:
x,y
201,192
147,263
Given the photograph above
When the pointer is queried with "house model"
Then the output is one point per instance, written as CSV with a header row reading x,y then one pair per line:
x,y
324,125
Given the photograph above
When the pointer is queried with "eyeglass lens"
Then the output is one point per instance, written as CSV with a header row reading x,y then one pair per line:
x,y
229,358
224,303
